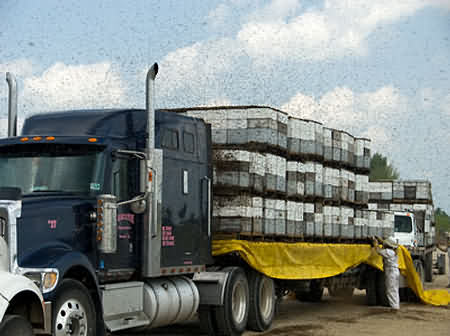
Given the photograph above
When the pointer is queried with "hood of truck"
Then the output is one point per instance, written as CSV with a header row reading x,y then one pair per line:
x,y
405,239
50,225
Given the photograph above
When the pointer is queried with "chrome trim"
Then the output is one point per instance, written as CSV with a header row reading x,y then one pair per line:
x,y
136,154
42,271
149,106
107,223
13,211
154,227
12,104
133,200
209,205
47,317
182,269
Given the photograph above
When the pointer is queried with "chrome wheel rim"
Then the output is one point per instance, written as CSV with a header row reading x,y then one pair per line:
x,y
239,303
266,298
71,319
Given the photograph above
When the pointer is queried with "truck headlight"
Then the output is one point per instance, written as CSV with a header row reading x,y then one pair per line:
x,y
46,280
49,281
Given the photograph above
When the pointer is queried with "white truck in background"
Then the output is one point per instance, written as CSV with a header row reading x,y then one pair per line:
x,y
21,303
412,204
408,232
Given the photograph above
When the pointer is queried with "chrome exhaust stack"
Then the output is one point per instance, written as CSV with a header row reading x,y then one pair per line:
x,y
12,104
149,106
152,183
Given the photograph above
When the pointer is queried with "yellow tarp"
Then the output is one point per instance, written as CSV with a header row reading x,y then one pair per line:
x,y
314,261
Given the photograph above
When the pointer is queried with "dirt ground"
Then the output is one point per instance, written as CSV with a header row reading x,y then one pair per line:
x,y
334,317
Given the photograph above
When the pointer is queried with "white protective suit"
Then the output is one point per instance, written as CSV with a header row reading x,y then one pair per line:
x,y
391,276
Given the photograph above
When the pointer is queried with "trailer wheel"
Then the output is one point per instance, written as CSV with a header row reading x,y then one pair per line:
x,y
15,325
262,301
232,317
313,294
73,310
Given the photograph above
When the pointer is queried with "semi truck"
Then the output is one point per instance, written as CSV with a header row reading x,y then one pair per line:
x,y
110,213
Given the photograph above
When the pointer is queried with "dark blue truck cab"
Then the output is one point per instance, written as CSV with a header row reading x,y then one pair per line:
x,y
63,161
109,213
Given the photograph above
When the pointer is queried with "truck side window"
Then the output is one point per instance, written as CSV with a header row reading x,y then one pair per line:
x,y
120,181
170,139
188,142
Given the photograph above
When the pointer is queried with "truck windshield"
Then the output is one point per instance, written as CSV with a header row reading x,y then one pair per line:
x,y
52,168
403,224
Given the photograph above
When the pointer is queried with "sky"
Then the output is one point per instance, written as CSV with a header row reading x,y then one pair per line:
x,y
378,69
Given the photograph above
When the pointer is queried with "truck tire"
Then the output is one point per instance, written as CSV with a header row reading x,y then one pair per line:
x,y
231,318
314,294
15,325
73,310
262,301
207,322
428,266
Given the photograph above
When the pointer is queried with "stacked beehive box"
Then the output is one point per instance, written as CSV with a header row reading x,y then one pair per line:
x,y
335,178
276,175
250,166
405,195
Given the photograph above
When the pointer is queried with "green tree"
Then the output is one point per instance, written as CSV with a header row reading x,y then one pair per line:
x,y
381,169
442,220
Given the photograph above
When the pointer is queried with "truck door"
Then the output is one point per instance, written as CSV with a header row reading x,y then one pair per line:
x,y
123,182
185,202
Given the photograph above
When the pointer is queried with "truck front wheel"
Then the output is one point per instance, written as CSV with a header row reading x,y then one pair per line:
x,y
15,325
232,316
73,310
262,301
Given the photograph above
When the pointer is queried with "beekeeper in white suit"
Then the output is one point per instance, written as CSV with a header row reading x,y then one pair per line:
x,y
391,272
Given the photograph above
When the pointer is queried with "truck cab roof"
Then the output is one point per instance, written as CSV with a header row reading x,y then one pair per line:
x,y
100,122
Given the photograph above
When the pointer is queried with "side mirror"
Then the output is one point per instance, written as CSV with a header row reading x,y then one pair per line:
x,y
138,205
